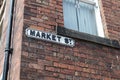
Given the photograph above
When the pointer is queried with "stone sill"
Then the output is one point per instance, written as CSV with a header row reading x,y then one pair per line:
x,y
91,38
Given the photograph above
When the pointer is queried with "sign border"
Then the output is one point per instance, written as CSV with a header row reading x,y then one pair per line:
x,y
49,40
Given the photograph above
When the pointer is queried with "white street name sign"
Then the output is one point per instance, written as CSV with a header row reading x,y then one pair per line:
x,y
50,37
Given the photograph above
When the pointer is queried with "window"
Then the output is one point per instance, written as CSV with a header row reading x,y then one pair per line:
x,y
2,11
83,16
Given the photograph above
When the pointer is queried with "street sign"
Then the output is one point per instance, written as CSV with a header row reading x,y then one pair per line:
x,y
50,37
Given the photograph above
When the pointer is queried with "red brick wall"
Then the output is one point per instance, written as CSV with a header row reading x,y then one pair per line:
x,y
111,10
41,60
48,61
43,15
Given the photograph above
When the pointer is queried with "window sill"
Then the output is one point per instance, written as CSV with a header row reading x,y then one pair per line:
x,y
91,38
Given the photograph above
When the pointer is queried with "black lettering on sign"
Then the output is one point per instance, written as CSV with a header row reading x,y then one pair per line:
x,y
32,33
38,34
59,38
66,40
70,41
53,37
48,36
43,35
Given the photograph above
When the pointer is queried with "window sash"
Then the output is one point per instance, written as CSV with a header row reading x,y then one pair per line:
x,y
86,18
78,18
69,9
92,2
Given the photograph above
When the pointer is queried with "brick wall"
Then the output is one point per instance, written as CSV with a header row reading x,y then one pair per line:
x,y
41,60
48,61
111,10
86,61
43,15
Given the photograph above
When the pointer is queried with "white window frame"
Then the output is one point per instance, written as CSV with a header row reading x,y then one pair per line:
x,y
99,24
88,1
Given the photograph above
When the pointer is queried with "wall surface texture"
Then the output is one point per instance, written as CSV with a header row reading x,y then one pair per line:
x,y
111,10
92,57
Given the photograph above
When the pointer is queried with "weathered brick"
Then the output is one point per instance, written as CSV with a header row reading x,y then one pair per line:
x,y
34,59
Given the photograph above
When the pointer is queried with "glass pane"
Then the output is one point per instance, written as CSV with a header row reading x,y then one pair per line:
x,y
79,16
86,17
69,12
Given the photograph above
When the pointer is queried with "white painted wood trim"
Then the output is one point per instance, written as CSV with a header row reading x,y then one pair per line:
x,y
99,20
88,1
